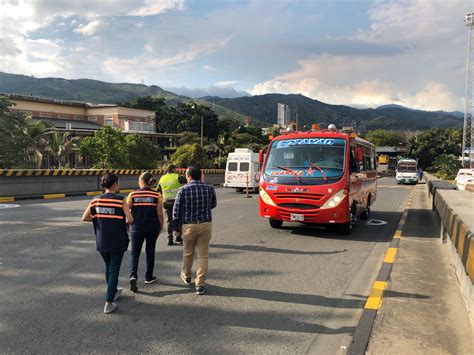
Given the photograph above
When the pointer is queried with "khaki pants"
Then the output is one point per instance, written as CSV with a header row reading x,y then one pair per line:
x,y
196,238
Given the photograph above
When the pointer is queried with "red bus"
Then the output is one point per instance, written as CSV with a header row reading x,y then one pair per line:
x,y
320,177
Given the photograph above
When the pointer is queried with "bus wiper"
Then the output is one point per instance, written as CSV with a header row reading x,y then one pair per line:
x,y
320,169
297,176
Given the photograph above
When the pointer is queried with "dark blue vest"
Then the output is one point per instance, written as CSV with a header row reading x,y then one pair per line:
x,y
109,223
144,204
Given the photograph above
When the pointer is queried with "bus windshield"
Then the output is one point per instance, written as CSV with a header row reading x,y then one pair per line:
x,y
407,168
307,161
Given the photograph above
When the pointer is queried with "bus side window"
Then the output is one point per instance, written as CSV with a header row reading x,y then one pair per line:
x,y
353,164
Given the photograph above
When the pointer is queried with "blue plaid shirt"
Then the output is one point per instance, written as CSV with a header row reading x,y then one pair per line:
x,y
193,203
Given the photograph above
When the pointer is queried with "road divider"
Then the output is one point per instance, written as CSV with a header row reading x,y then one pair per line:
x,y
25,184
361,336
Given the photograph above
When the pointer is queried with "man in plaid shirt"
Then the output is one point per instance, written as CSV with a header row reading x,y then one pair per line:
x,y
193,205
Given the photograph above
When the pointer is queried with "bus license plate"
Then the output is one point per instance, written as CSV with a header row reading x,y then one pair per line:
x,y
297,217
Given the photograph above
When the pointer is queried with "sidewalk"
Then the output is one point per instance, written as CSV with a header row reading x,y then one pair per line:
x,y
422,311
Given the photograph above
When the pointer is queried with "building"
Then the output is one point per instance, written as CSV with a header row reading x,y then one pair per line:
x,y
83,119
284,114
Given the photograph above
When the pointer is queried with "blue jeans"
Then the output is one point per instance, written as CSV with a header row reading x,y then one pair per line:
x,y
112,271
138,237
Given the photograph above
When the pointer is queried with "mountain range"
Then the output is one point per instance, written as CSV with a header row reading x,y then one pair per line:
x,y
262,108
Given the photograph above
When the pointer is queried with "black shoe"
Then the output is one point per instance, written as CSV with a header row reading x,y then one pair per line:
x,y
200,290
151,280
170,241
133,284
179,240
186,280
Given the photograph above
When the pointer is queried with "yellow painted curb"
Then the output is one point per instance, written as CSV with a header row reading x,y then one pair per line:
x,y
47,197
375,298
390,255
93,193
7,199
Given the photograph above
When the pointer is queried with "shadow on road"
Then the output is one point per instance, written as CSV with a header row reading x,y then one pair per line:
x,y
257,248
276,296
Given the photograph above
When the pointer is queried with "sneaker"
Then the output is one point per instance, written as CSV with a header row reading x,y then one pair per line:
x,y
179,240
133,284
186,280
152,280
200,290
110,307
170,241
118,293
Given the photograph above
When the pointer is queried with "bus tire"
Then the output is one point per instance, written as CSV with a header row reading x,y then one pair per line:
x,y
346,228
275,223
239,189
365,215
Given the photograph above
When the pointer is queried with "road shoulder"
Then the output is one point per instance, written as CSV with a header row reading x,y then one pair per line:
x,y
422,309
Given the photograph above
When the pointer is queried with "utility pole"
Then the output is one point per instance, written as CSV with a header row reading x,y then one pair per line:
x,y
201,128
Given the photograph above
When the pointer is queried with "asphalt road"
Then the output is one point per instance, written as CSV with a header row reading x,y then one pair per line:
x,y
293,290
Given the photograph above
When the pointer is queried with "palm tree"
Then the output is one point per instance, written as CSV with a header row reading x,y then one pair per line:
x,y
60,146
35,131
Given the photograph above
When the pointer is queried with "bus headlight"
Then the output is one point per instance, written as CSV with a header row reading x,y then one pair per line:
x,y
266,198
335,200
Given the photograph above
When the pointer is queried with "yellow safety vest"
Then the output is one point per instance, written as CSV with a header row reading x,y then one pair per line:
x,y
169,185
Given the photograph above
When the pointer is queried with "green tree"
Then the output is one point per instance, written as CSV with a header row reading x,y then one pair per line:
x,y
21,138
384,137
446,166
428,145
190,115
190,154
140,152
107,148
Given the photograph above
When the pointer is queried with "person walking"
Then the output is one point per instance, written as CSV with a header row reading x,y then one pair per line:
x,y
169,185
147,211
193,206
110,214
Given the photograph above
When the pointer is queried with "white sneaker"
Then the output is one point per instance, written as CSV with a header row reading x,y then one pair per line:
x,y
118,293
110,307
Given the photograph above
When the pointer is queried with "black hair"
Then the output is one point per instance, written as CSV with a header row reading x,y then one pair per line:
x,y
194,172
108,180
171,168
148,179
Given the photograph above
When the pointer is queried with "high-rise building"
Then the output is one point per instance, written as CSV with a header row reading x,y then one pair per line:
x,y
284,114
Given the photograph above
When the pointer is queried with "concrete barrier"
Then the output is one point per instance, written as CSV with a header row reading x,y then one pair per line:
x,y
456,212
25,184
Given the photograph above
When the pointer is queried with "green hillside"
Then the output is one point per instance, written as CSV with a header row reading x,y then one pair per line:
x,y
264,108
95,91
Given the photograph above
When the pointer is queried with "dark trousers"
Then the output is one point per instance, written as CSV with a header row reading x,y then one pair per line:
x,y
112,270
138,237
168,205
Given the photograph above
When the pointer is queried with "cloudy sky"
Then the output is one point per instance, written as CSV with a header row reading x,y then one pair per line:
x,y
356,52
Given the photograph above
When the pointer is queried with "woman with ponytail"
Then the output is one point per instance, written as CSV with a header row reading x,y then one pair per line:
x,y
147,211
110,215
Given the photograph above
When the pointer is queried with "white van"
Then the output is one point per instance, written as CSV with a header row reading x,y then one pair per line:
x,y
464,178
407,171
242,166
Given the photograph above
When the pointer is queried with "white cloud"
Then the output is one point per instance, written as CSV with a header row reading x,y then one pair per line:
x,y
226,83
155,7
426,71
90,29
208,67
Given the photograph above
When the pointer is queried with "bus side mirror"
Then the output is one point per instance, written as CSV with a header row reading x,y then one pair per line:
x,y
359,156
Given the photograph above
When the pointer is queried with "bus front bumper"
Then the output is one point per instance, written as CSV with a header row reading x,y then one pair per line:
x,y
334,215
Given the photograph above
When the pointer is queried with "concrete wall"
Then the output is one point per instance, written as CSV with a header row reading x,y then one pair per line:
x,y
24,186
456,211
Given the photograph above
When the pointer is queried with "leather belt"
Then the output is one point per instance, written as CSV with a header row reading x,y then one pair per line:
x,y
198,222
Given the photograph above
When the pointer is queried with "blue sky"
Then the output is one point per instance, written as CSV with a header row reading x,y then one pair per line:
x,y
360,53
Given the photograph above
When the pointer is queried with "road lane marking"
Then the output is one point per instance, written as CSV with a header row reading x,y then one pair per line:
x,y
390,255
7,199
375,298
51,196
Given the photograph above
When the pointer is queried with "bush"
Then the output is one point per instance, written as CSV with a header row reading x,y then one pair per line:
x,y
190,154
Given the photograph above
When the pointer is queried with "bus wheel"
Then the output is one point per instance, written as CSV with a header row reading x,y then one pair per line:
x,y
346,228
239,189
365,215
274,223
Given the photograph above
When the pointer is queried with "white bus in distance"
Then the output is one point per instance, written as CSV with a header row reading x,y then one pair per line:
x,y
241,168
407,171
